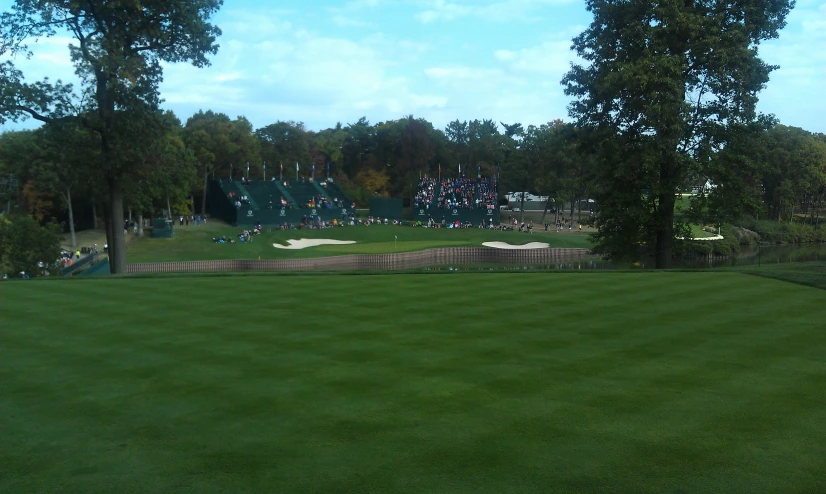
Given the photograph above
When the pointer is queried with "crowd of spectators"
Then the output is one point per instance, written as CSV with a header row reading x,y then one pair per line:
x,y
238,200
456,193
244,236
487,194
424,194
319,201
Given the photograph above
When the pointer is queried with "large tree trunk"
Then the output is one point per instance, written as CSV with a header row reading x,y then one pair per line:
x,y
521,208
204,196
168,207
665,230
547,203
107,226
117,243
94,213
68,198
140,225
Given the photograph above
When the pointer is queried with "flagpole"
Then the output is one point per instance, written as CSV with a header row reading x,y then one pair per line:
x,y
265,171
281,173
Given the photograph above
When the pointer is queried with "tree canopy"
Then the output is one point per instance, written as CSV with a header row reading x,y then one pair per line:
x,y
117,51
664,87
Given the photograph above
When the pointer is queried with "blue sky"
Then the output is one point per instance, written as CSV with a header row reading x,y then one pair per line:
x,y
326,61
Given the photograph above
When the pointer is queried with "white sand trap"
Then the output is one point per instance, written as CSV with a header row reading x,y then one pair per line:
x,y
504,245
705,239
311,242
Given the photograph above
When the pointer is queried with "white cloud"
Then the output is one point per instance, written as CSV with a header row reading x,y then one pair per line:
x,y
300,74
344,21
551,58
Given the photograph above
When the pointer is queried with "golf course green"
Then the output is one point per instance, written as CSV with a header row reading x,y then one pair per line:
x,y
651,382
193,243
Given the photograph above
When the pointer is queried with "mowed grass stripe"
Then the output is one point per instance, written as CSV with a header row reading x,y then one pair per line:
x,y
554,383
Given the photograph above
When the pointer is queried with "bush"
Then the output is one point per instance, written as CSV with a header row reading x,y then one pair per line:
x,y
786,233
24,243
744,236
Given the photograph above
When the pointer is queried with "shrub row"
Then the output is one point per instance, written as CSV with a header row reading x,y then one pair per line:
x,y
786,233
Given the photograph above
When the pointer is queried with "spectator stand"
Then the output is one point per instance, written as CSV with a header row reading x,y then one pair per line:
x,y
466,200
304,199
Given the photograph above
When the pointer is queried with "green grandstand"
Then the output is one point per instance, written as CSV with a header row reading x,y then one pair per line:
x,y
263,204
274,203
448,200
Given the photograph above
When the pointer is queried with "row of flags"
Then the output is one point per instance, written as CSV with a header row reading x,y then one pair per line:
x,y
282,167
478,168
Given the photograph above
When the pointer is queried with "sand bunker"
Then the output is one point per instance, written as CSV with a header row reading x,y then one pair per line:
x,y
503,245
311,242
713,237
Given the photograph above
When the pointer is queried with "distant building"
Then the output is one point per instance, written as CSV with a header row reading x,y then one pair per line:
x,y
702,186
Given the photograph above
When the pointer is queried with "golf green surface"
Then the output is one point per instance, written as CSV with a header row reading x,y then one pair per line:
x,y
193,243
566,382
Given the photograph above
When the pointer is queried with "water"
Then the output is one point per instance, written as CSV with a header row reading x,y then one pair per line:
x,y
772,254
748,255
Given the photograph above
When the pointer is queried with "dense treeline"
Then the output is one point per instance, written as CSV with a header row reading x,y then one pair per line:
x,y
172,169
57,179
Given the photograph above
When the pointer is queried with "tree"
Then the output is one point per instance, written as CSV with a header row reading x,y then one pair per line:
x,y
795,175
24,243
162,171
117,49
284,142
16,150
219,143
67,152
666,85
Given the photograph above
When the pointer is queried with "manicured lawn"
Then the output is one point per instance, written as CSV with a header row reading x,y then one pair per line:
x,y
195,243
804,273
567,382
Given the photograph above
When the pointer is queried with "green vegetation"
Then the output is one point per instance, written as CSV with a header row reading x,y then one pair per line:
x,y
786,233
608,382
24,243
803,273
195,243
653,140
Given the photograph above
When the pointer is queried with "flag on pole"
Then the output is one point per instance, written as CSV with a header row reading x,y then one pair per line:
x,y
265,165
313,170
296,166
460,169
328,169
479,171
282,165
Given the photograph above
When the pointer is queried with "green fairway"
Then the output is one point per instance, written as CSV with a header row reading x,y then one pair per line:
x,y
567,382
193,243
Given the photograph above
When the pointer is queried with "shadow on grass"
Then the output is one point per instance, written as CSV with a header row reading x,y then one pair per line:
x,y
811,274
